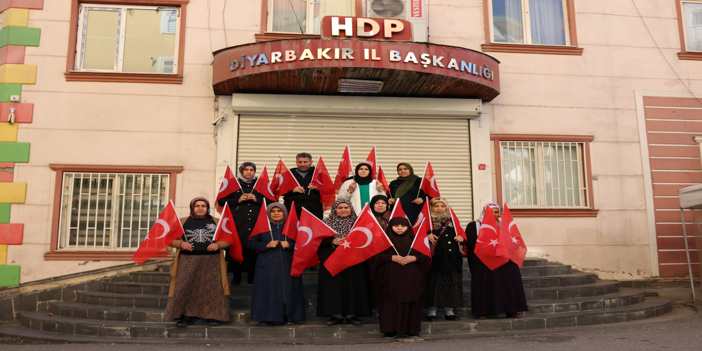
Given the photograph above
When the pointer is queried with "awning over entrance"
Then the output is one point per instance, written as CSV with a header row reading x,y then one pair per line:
x,y
356,67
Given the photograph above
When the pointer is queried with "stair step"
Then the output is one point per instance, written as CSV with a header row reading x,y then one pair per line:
x,y
101,330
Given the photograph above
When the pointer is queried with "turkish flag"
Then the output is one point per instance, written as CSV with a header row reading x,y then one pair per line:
x,y
489,248
323,182
226,231
398,211
291,223
421,238
457,225
424,214
310,234
509,234
345,168
263,186
229,186
166,229
262,223
373,161
365,240
283,180
428,184
383,180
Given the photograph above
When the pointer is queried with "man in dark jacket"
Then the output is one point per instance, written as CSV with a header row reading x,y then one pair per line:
x,y
306,195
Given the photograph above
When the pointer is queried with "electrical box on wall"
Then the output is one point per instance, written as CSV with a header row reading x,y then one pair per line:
x,y
414,11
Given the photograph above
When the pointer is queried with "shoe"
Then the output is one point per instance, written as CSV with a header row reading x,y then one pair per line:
x,y
431,318
413,335
514,315
213,323
333,321
184,322
401,335
482,317
354,321
452,317
389,335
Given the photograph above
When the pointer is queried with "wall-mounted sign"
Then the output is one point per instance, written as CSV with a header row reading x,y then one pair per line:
x,y
416,8
338,27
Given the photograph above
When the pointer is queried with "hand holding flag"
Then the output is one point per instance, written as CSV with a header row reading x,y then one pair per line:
x,y
166,229
226,231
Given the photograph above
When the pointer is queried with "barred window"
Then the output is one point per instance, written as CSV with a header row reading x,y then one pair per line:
x,y
538,174
109,211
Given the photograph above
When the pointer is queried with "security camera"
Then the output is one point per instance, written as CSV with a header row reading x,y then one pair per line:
x,y
221,118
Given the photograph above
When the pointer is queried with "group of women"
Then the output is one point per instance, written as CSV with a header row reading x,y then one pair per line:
x,y
400,280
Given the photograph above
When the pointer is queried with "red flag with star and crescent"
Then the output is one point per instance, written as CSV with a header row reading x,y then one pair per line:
x,y
262,223
428,184
424,213
421,238
263,186
283,180
345,168
310,234
509,234
323,182
365,240
166,229
229,186
226,231
372,160
489,248
383,180
291,223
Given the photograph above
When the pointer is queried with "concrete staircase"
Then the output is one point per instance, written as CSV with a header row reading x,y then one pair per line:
x,y
128,309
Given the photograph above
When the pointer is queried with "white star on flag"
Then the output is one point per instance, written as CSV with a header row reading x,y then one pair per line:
x,y
514,240
346,244
493,242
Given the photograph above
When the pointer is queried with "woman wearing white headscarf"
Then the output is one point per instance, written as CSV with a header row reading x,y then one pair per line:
x,y
493,292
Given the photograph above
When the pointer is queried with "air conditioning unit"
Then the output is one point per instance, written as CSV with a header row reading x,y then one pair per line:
x,y
414,11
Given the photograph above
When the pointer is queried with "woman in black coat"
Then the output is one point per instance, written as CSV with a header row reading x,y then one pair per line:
x,y
493,292
245,205
406,188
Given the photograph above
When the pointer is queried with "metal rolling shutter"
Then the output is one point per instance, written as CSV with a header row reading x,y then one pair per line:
x,y
444,142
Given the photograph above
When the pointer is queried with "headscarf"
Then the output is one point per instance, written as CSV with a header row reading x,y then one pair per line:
x,y
342,226
439,221
192,208
407,182
280,206
240,174
491,205
363,180
375,199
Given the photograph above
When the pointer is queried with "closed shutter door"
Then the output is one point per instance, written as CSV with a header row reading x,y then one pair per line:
x,y
444,142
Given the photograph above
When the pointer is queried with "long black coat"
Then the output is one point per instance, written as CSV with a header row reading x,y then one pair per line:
x,y
349,292
275,290
493,292
246,213
310,199
411,209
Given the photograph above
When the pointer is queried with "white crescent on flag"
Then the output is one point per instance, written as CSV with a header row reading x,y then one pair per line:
x,y
426,242
488,226
224,226
432,183
509,229
309,235
280,181
166,227
225,184
368,233
269,189
420,218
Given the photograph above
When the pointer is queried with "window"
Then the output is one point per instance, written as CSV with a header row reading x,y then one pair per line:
x,y
531,26
304,16
535,173
104,210
690,21
119,42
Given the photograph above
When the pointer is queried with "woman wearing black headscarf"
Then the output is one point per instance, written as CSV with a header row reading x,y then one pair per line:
x,y
360,188
379,207
406,188
199,285
400,281
245,205
347,294
277,296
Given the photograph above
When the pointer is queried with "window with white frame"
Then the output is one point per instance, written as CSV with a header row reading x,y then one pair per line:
x,y
536,22
539,174
127,39
109,211
304,16
692,23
